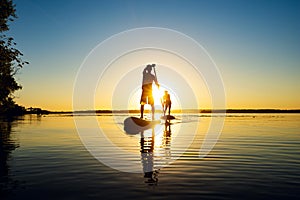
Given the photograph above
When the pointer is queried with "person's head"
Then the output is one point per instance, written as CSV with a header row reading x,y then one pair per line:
x,y
166,92
149,68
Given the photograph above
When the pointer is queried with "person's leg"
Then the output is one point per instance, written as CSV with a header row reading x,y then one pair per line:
x,y
142,111
143,101
153,111
169,109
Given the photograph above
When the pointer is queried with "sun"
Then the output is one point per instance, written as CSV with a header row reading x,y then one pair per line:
x,y
157,94
135,96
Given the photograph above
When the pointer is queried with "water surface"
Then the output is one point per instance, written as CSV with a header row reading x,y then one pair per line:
x,y
257,156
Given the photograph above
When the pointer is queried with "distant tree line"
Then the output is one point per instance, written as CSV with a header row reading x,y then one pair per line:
x,y
10,62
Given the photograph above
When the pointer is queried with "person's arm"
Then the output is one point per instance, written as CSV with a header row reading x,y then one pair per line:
x,y
144,71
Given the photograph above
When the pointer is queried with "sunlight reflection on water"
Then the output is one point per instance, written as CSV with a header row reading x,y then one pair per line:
x,y
257,156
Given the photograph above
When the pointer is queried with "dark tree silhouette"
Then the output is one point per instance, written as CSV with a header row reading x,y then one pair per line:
x,y
7,146
10,61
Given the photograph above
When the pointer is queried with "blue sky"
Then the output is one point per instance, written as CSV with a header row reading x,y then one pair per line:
x,y
255,44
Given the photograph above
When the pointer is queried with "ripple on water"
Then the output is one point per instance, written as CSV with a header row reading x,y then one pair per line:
x,y
255,157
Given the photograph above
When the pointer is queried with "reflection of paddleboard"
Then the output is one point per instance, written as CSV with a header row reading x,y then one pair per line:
x,y
168,117
135,125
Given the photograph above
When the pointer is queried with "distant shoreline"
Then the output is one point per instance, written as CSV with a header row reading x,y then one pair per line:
x,y
174,111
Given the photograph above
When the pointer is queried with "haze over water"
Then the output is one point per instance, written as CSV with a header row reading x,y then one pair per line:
x,y
256,157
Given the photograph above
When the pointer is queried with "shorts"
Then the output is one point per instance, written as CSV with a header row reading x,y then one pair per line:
x,y
147,97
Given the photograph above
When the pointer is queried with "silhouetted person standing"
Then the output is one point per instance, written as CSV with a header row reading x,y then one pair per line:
x,y
147,97
166,102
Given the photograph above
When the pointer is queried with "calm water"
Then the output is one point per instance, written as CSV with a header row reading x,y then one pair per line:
x,y
257,156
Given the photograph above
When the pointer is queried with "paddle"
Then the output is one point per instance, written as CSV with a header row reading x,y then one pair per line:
x,y
153,65
154,69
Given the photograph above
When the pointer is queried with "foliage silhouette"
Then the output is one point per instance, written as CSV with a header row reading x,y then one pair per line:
x,y
10,62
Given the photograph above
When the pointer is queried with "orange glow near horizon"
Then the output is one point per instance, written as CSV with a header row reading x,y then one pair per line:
x,y
120,88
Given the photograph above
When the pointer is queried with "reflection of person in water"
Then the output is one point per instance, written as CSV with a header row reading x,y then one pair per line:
x,y
147,147
167,132
166,144
166,102
147,97
147,153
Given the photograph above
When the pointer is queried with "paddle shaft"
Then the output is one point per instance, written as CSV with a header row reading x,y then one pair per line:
x,y
155,72
164,110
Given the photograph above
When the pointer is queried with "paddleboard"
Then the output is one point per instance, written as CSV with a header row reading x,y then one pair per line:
x,y
135,125
168,117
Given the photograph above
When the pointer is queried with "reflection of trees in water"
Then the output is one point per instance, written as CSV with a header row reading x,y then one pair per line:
x,y
7,145
147,154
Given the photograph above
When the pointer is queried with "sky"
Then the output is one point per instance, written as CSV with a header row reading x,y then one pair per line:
x,y
254,44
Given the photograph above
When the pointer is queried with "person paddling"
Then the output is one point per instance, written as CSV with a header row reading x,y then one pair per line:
x,y
147,96
166,102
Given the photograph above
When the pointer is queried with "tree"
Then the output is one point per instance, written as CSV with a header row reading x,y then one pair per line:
x,y
10,60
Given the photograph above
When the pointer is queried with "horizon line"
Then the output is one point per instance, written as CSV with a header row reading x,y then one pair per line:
x,y
247,110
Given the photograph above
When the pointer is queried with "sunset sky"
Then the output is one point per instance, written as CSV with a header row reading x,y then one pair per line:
x,y
255,44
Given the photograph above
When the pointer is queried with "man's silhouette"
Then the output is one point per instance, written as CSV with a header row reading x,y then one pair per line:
x,y
147,97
